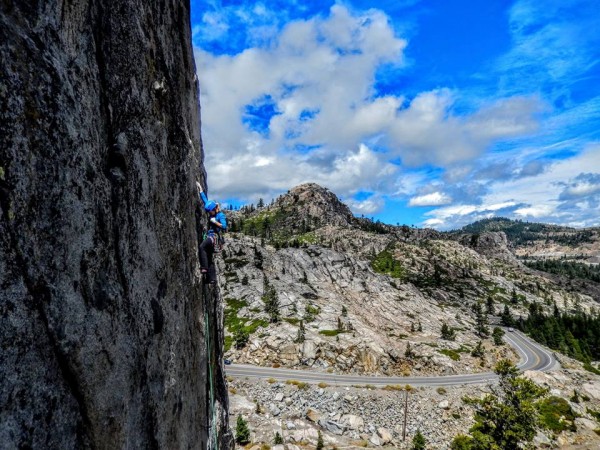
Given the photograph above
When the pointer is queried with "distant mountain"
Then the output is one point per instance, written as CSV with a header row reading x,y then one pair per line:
x,y
522,235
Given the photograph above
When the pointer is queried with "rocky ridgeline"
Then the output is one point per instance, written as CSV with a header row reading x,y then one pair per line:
x,y
541,240
359,416
365,295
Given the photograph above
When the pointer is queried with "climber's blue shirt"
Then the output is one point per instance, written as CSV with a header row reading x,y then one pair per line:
x,y
221,218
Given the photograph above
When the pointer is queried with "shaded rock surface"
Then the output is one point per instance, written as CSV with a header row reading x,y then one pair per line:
x,y
102,334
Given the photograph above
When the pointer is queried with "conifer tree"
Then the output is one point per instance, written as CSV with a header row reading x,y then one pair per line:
x,y
478,351
448,333
320,444
271,301
340,325
300,337
497,334
481,321
278,440
507,419
419,442
506,318
242,432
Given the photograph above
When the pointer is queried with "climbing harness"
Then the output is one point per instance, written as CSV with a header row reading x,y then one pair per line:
x,y
213,411
217,240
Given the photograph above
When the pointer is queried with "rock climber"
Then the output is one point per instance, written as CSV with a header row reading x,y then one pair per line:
x,y
213,241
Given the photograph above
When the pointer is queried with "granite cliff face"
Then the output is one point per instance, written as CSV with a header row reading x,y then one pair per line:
x,y
102,312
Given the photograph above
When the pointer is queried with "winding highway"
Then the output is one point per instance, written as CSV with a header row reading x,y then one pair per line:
x,y
533,357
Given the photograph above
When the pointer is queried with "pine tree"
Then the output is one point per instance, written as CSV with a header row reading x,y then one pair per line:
x,y
490,309
478,351
420,327
278,439
481,321
408,353
448,333
412,327
514,298
507,419
340,325
240,337
344,311
271,301
506,318
242,432
320,444
497,334
300,337
419,442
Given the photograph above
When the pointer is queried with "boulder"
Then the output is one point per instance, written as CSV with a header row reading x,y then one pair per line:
x,y
444,404
273,409
375,440
353,422
332,427
592,390
384,435
313,415
541,440
582,422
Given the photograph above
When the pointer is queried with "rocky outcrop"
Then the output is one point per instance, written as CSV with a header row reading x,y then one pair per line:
x,y
493,244
317,203
102,330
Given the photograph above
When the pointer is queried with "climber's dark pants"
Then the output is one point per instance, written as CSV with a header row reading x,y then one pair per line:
x,y
207,250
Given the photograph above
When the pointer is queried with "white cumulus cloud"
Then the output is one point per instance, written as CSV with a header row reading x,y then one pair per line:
x,y
433,199
327,123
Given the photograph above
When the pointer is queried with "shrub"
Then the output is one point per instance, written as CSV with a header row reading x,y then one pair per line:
x,y
278,440
418,442
448,333
461,442
393,387
556,414
385,263
242,432
478,351
453,355
441,391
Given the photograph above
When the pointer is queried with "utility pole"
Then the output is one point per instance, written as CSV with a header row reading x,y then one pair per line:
x,y
405,415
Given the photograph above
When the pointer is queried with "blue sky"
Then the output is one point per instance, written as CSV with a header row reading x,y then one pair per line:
x,y
432,113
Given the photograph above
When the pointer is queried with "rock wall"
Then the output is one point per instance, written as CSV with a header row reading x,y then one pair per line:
x,y
102,317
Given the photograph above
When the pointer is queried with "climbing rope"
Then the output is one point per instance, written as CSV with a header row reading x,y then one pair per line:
x,y
213,410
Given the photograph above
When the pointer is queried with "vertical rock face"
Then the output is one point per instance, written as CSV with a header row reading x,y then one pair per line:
x,y
102,315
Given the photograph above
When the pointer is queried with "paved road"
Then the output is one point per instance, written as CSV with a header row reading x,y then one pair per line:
x,y
533,357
